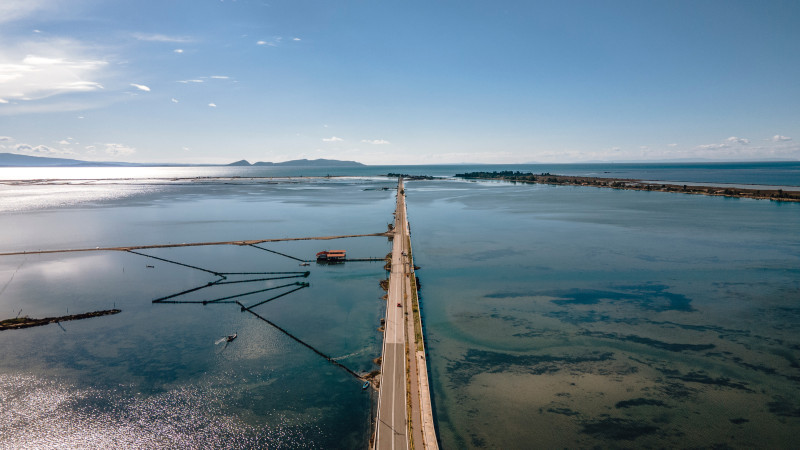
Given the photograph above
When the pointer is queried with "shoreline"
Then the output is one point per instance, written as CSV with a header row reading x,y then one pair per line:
x,y
634,185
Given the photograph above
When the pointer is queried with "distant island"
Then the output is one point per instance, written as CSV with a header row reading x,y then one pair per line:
x,y
302,163
635,185
17,160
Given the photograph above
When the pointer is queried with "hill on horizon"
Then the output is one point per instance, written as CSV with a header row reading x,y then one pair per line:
x,y
17,160
321,162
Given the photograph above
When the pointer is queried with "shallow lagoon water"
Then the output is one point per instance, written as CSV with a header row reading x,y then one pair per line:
x,y
571,317
151,376
555,316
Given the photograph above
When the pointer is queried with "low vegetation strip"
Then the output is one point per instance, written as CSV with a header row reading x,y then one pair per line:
x,y
25,322
635,185
418,339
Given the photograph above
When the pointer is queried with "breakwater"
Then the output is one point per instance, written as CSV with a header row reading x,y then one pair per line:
x,y
635,185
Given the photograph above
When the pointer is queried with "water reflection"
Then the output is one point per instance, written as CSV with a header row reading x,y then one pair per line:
x,y
151,376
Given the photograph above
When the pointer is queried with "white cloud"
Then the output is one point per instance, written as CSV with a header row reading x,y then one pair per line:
x,y
119,149
779,138
737,140
4,101
33,71
672,145
41,150
11,10
199,80
712,146
376,141
727,143
64,142
156,37
141,87
741,149
213,105
477,157
174,100
178,50
271,43
332,139
6,139
296,39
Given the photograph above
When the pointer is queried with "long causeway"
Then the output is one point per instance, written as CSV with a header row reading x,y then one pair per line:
x,y
404,419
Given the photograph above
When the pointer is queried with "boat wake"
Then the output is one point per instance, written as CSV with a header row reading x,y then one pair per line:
x,y
339,358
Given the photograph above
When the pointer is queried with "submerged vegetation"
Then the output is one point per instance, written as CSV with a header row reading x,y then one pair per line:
x,y
25,322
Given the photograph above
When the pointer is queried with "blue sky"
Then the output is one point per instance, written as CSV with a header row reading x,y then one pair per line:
x,y
210,81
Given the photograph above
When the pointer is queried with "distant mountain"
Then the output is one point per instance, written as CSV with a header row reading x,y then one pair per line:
x,y
311,163
16,160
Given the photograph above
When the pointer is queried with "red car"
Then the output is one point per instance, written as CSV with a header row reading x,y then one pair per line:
x,y
399,305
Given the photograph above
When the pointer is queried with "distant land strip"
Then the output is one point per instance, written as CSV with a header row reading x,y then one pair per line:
x,y
190,244
20,160
633,185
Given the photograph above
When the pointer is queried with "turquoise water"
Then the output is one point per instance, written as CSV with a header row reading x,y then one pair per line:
x,y
570,317
152,376
555,316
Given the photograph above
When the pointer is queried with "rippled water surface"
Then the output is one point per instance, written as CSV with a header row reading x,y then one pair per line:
x,y
569,317
152,376
555,316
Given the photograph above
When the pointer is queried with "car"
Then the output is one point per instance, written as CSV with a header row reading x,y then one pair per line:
x,y
399,305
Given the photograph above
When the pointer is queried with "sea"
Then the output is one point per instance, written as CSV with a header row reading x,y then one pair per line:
x,y
554,316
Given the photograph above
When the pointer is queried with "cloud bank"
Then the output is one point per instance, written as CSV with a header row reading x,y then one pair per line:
x,y
33,71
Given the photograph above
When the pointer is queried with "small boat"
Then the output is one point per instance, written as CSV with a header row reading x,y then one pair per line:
x,y
366,385
226,339
305,264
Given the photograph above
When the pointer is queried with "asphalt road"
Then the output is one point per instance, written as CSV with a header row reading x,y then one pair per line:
x,y
391,429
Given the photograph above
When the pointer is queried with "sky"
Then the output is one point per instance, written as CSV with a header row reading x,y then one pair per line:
x,y
400,82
